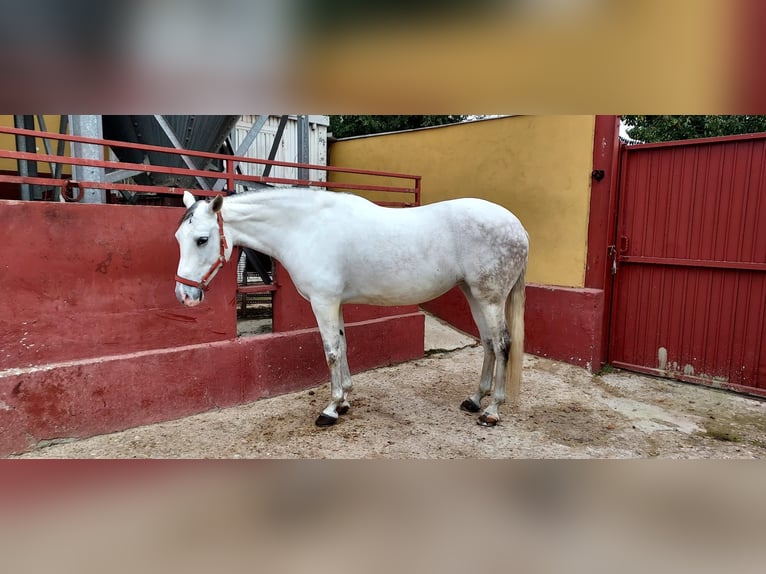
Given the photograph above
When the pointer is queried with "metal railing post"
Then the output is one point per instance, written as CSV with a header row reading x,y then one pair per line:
x,y
22,165
89,126
417,190
231,183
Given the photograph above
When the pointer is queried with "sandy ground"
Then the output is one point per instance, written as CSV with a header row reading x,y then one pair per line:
x,y
411,410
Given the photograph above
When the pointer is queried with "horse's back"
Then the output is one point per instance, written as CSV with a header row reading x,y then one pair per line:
x,y
463,213
452,230
392,256
479,223
467,211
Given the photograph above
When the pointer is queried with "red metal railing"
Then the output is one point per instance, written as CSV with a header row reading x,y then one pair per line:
x,y
229,174
72,190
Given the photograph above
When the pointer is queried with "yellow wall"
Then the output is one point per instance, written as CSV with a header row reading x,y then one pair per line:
x,y
537,166
8,141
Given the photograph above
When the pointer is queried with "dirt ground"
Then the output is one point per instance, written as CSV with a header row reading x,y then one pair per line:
x,y
412,410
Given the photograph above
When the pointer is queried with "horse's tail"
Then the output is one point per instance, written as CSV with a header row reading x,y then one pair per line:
x,y
514,317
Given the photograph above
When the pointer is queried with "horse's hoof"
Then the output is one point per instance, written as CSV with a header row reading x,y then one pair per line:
x,y
487,420
343,410
469,406
324,421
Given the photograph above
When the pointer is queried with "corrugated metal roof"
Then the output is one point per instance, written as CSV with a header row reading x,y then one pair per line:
x,y
201,133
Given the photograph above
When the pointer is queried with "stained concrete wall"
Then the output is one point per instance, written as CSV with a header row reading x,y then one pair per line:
x,y
92,339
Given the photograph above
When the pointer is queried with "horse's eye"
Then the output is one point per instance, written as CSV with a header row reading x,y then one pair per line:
x,y
201,241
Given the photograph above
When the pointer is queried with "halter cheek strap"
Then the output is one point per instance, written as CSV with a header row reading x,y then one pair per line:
x,y
217,264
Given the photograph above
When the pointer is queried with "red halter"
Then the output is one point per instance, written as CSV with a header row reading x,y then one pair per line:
x,y
217,264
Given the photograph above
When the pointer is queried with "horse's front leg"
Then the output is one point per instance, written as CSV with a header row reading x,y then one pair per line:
x,y
333,338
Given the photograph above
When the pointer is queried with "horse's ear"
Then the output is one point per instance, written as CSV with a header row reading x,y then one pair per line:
x,y
215,206
188,199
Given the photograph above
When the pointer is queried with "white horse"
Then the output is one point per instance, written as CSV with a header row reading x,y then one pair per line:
x,y
340,248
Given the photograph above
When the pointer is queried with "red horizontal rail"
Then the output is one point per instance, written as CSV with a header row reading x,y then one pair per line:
x,y
195,153
177,171
395,204
250,289
740,265
138,188
336,184
44,181
140,167
228,175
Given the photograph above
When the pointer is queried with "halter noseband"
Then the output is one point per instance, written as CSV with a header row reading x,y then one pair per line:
x,y
217,264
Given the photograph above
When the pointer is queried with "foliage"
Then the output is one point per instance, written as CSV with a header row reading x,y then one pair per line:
x,y
650,129
349,126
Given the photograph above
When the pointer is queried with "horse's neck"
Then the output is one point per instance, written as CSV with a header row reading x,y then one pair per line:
x,y
266,220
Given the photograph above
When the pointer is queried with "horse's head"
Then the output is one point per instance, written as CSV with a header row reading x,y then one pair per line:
x,y
204,248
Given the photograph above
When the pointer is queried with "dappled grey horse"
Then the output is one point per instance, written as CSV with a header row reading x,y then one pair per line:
x,y
341,248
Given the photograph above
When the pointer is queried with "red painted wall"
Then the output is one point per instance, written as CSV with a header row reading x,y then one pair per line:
x,y
559,323
93,340
84,281
291,311
106,394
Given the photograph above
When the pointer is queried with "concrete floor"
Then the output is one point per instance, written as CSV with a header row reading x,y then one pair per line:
x,y
441,336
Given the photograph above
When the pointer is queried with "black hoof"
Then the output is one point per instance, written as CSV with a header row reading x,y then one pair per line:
x,y
469,406
324,421
342,410
487,421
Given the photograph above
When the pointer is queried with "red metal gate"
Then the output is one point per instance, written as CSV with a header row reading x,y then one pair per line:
x,y
690,283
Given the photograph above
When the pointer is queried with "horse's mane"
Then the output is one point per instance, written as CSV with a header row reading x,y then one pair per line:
x,y
246,196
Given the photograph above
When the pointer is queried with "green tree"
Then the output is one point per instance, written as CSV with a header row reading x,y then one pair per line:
x,y
348,126
651,129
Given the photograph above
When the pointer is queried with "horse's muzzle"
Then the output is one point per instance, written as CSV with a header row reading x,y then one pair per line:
x,y
189,296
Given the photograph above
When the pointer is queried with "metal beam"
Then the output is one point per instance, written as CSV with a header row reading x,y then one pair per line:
x,y
63,128
120,174
251,134
55,166
253,257
303,145
46,143
177,144
29,123
88,126
245,144
275,144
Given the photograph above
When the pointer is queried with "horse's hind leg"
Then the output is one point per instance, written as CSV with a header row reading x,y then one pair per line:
x,y
344,370
501,343
329,320
473,403
488,309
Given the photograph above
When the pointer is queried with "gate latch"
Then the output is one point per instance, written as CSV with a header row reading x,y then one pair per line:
x,y
612,252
